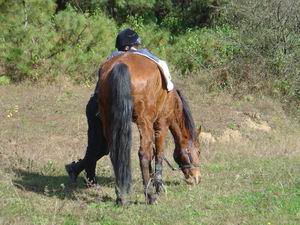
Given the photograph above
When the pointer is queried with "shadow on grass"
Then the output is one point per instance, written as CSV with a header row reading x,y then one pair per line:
x,y
55,186
58,186
172,183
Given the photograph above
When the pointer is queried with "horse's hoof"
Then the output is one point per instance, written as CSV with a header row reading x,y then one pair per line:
x,y
151,198
159,188
91,182
120,202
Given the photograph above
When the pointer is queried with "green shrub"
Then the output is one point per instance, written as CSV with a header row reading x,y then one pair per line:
x,y
26,36
204,48
269,37
4,80
37,43
84,42
153,37
249,45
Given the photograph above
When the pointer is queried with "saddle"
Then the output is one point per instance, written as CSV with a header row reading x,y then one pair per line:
x,y
160,63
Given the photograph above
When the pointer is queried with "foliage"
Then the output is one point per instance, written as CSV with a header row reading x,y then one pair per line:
x,y
22,46
153,37
36,43
196,13
255,43
4,80
269,36
86,40
204,48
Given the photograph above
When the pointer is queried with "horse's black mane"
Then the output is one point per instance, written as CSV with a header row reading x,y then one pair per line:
x,y
188,119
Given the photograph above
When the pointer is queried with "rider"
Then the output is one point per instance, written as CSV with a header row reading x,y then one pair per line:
x,y
126,41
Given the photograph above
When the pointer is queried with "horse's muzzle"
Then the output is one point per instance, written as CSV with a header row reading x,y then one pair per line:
x,y
193,180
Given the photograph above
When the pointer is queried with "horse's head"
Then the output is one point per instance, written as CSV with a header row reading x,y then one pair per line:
x,y
188,159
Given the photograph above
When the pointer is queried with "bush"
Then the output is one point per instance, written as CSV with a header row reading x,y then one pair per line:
x,y
204,48
4,80
25,37
269,37
37,43
251,45
153,37
84,40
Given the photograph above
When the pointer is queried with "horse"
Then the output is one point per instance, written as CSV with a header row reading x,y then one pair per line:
x,y
132,89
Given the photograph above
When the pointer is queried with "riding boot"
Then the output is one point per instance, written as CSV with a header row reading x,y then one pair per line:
x,y
74,169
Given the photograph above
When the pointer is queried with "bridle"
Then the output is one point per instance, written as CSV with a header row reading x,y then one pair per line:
x,y
182,166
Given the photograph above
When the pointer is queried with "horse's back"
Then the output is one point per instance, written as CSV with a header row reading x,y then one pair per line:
x,y
147,86
144,72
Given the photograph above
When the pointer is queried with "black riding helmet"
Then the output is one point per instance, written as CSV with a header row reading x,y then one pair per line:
x,y
127,37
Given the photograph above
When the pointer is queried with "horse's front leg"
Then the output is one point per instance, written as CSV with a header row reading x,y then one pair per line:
x,y
160,134
145,156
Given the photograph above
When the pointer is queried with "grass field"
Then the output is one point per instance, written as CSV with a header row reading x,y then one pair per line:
x,y
250,163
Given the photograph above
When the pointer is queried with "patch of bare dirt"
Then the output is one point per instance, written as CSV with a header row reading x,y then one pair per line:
x,y
260,126
230,136
207,138
236,135
50,125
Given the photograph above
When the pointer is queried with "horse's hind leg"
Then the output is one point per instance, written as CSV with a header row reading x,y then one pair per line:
x,y
160,134
145,156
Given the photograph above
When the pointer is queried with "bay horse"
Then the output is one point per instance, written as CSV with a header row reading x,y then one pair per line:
x,y
132,89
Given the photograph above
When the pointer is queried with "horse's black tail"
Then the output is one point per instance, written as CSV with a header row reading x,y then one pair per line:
x,y
120,122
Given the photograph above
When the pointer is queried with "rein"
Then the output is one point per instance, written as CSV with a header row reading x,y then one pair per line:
x,y
170,165
190,164
183,166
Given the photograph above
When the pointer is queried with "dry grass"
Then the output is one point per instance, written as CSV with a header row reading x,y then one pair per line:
x,y
252,179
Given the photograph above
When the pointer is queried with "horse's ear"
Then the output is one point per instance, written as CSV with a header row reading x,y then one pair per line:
x,y
199,131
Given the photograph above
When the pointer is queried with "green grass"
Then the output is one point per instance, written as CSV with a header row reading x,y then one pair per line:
x,y
253,181
249,191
